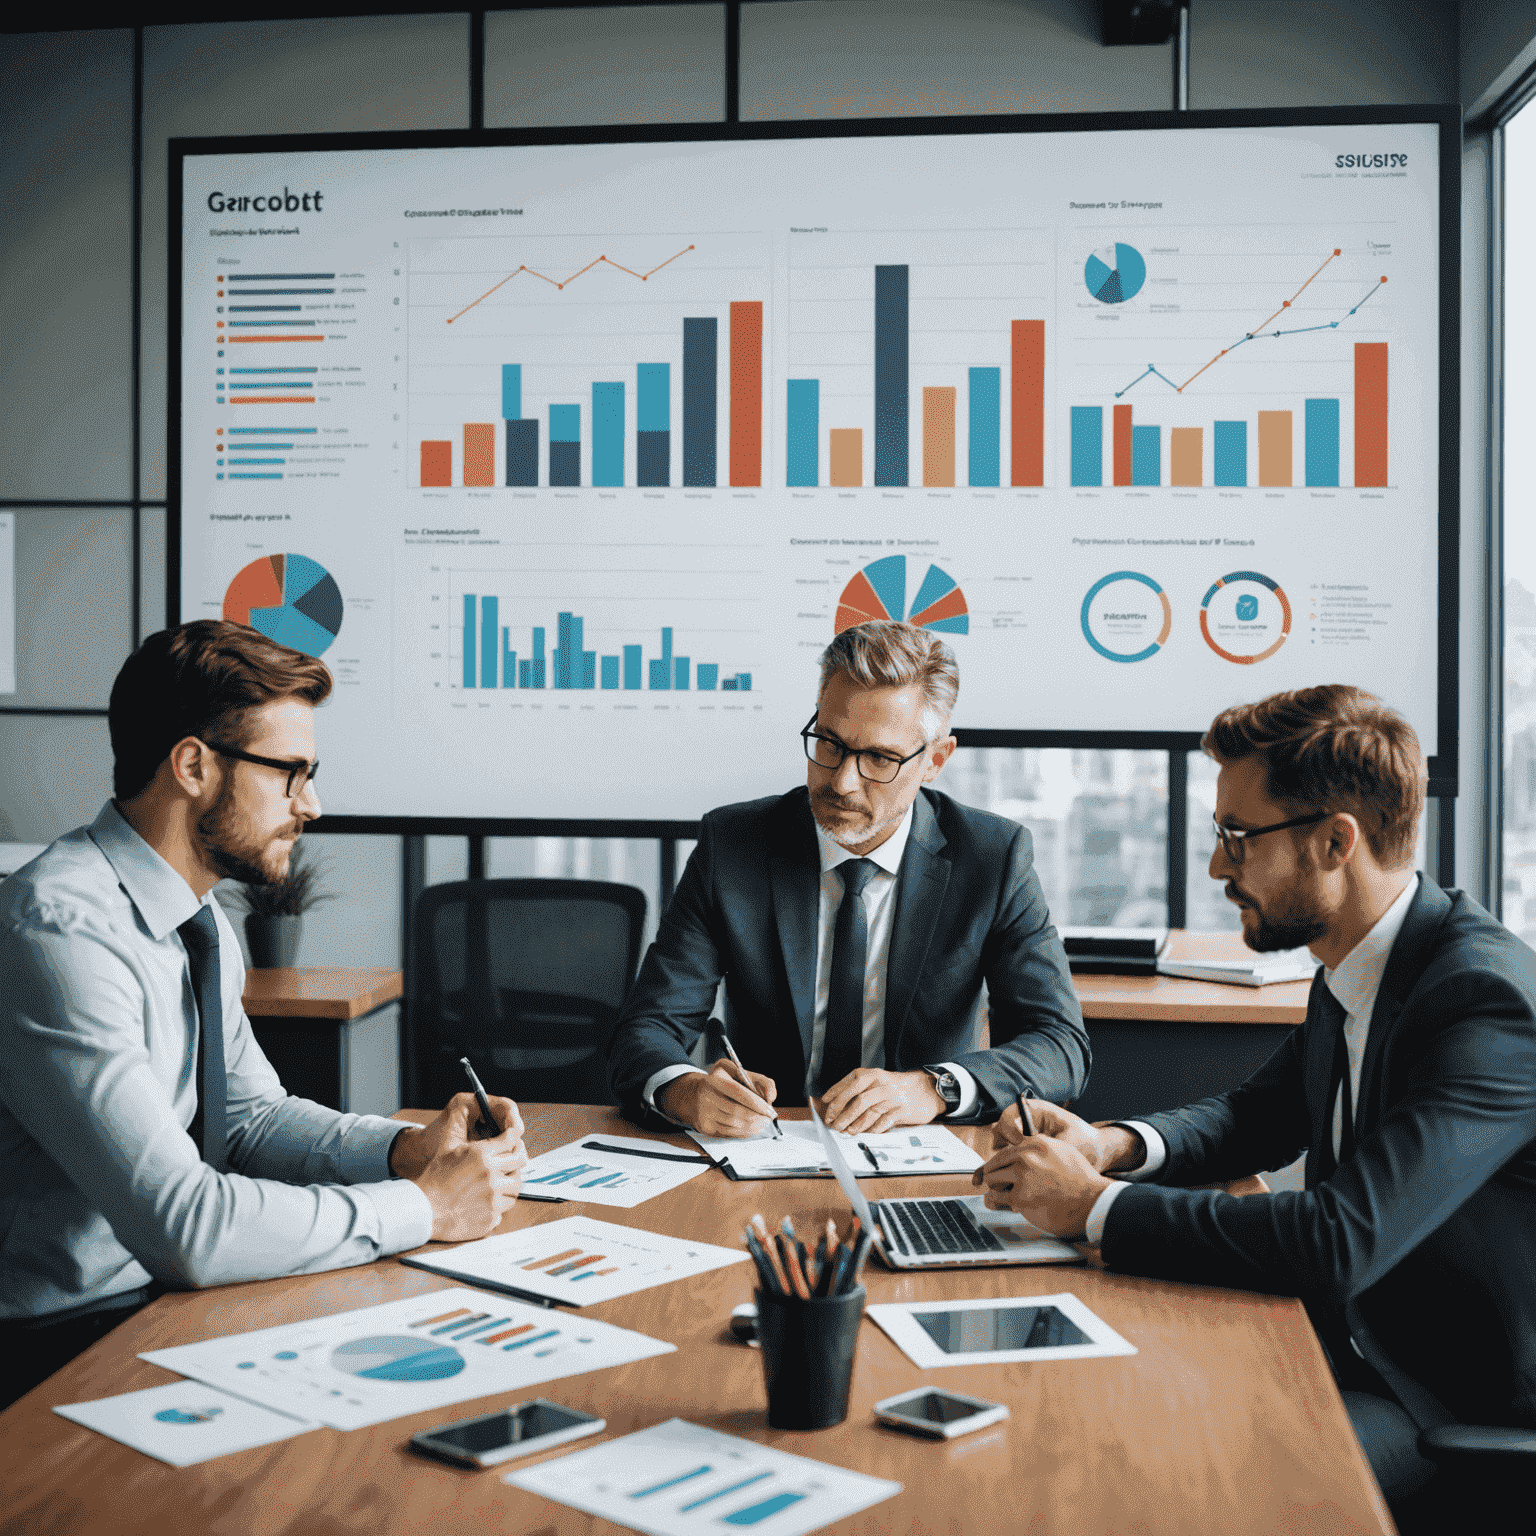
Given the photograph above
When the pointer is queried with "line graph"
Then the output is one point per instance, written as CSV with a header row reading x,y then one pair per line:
x,y
560,284
1258,332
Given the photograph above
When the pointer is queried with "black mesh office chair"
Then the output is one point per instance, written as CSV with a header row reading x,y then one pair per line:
x,y
526,978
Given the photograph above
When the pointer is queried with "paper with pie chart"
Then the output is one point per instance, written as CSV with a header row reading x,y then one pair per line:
x,y
378,1363
289,598
184,1422
880,591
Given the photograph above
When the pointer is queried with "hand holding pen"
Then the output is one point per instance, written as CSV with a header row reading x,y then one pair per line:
x,y
745,1078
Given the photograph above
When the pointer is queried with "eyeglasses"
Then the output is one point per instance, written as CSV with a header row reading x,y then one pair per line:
x,y
1234,840
299,773
876,767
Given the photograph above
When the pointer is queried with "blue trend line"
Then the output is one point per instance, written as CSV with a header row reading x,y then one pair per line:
x,y
1140,376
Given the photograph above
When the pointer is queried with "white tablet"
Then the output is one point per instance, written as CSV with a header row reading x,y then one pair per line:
x,y
997,1331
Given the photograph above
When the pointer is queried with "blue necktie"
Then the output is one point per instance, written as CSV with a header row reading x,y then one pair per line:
x,y
842,1048
200,934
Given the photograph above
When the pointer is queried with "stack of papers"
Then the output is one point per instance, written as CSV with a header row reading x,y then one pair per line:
x,y
1259,971
797,1154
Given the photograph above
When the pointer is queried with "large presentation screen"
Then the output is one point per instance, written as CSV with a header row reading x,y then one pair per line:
x,y
569,458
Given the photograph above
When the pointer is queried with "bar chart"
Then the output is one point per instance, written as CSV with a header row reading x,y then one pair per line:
x,y
598,361
917,359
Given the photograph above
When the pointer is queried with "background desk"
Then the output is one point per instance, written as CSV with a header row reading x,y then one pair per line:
x,y
1226,1421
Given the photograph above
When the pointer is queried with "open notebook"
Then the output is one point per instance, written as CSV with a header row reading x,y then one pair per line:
x,y
799,1153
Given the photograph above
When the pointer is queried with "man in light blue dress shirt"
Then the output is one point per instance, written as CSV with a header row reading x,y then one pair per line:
x,y
107,1198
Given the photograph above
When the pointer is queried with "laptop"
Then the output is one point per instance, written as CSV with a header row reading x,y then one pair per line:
x,y
939,1232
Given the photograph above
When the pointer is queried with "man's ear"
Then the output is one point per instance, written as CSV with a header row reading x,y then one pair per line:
x,y
192,767
1341,837
937,757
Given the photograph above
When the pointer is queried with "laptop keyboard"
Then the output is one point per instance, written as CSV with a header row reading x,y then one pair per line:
x,y
933,1228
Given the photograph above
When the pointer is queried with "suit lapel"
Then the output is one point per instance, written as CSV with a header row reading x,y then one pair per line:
x,y
920,887
794,877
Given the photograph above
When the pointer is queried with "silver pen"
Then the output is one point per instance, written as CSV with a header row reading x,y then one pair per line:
x,y
746,1082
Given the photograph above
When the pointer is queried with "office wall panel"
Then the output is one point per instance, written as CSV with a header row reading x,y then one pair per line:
x,y
606,64
886,58
55,774
151,570
66,231
280,77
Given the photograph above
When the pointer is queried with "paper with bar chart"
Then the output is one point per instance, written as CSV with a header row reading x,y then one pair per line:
x,y
621,1171
378,1363
578,1260
581,453
677,1478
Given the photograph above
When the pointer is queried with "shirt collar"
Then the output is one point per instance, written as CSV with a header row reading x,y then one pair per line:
x,y
887,855
1356,979
164,900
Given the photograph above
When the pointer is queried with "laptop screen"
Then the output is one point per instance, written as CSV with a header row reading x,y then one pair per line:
x,y
843,1173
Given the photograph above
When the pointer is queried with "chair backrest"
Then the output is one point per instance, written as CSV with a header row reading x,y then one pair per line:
x,y
526,978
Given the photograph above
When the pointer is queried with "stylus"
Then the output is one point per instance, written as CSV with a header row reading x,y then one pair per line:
x,y
487,1127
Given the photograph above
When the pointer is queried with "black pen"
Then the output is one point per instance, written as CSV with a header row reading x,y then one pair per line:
x,y
665,1157
1026,1121
746,1081
874,1162
528,1296
487,1127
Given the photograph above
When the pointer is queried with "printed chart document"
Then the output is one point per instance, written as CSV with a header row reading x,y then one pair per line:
x,y
997,1332
798,1155
184,1422
611,1170
676,1478
578,1260
378,1363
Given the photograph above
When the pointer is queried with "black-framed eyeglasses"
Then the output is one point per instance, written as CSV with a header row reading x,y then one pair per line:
x,y
876,767
299,773
1235,839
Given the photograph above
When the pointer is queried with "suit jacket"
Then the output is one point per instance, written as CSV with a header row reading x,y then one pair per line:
x,y
1421,1247
969,909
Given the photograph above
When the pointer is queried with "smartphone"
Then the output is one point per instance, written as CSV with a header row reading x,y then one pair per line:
x,y
519,1430
939,1413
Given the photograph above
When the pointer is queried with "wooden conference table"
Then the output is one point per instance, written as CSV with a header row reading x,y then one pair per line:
x,y
1225,1421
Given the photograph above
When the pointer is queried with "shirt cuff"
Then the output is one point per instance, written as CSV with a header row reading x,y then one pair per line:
x,y
1093,1228
1157,1155
970,1094
405,1214
659,1080
364,1151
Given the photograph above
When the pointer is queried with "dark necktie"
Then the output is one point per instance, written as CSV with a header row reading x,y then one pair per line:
x,y
1334,1017
842,1048
200,934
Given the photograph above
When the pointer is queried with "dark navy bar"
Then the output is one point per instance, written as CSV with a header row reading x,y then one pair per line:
x,y
701,345
891,386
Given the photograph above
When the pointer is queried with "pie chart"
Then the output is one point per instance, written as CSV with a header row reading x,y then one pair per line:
x,y
290,598
879,591
188,1415
1115,274
397,1359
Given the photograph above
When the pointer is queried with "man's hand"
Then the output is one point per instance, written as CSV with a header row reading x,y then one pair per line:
x,y
1046,1180
469,1184
872,1100
717,1103
1107,1148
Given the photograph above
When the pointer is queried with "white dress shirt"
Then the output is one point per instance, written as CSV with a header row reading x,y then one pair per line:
x,y
104,1188
879,898
1354,983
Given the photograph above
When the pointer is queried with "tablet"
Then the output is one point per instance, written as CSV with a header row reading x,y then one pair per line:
x,y
1014,1328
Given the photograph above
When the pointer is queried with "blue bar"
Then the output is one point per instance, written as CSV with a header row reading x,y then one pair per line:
x,y
701,346
269,431
610,671
708,676
803,428
986,426
1146,455
1088,445
608,434
567,651
490,627
661,671
1322,442
680,673
537,671
588,668
508,660
537,1338
720,1493
892,406
1231,453
511,391
469,640
259,309
272,370
653,397
631,666
759,1512
565,423
254,475
671,1482
258,461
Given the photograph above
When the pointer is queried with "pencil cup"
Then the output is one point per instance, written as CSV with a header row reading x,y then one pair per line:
x,y
807,1350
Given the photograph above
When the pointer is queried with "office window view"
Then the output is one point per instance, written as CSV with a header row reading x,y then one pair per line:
x,y
1519,746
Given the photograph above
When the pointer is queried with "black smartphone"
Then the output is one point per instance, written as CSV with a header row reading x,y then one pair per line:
x,y
519,1430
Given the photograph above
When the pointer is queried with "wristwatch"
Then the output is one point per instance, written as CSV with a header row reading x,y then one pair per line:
x,y
947,1085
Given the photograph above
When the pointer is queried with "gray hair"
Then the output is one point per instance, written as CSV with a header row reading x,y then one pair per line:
x,y
888,654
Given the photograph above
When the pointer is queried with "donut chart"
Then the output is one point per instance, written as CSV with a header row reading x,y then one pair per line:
x,y
1119,622
290,598
1245,617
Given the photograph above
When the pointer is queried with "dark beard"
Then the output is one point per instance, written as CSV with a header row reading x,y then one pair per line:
x,y
218,829
1290,932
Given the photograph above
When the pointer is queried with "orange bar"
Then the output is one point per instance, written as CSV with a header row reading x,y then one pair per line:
x,y
939,436
1370,413
436,463
747,394
442,1317
1122,445
1274,447
554,1258
479,453
271,399
509,1333
1184,455
269,338
846,452
1028,404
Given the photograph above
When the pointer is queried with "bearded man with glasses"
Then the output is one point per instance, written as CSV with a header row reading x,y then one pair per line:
x,y
854,923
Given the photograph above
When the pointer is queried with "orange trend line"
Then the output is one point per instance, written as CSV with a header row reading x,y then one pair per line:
x,y
555,282
1254,331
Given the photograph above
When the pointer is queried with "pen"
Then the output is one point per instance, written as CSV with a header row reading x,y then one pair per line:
x,y
1026,1120
746,1082
874,1162
529,1296
665,1157
487,1126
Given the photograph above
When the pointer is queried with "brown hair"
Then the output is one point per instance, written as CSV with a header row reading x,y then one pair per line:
x,y
201,679
1334,748
887,654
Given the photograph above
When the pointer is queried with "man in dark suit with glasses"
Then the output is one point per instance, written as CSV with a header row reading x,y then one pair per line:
x,y
854,923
